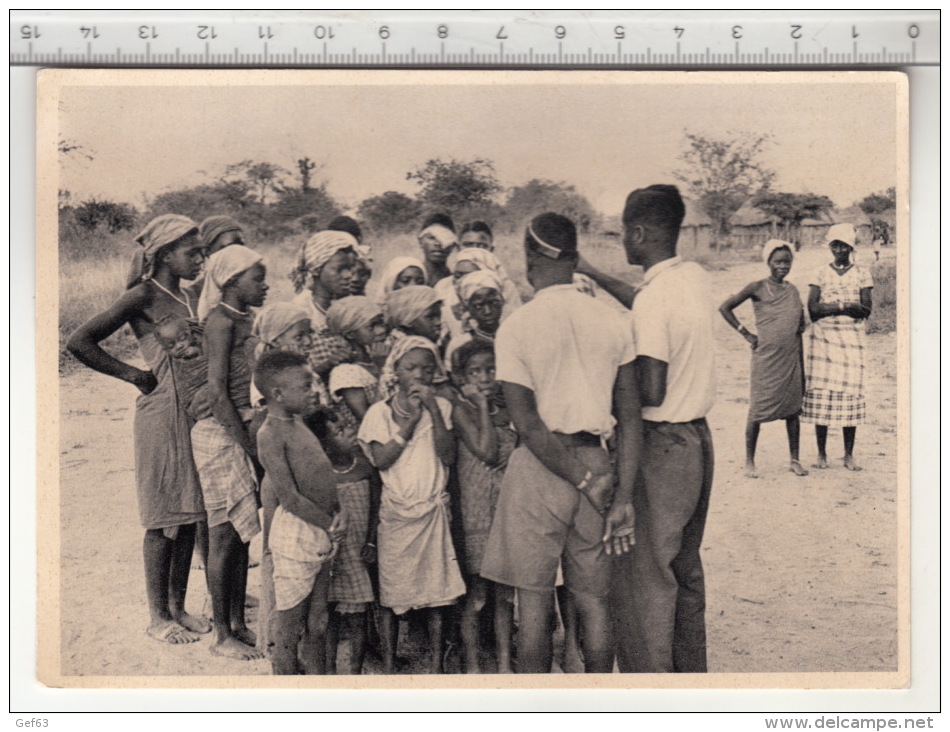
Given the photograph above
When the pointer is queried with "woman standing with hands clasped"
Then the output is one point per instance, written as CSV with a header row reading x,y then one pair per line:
x,y
839,303
776,380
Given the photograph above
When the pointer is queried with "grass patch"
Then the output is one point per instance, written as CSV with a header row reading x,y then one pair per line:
x,y
88,286
884,297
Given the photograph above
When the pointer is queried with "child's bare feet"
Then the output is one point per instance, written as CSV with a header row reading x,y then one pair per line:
x,y
245,635
231,647
750,471
250,601
196,563
168,631
796,467
822,463
192,623
850,464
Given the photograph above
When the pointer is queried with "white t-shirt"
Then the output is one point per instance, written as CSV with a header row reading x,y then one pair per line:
x,y
566,347
673,322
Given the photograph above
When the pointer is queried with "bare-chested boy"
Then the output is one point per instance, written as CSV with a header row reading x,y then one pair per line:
x,y
306,525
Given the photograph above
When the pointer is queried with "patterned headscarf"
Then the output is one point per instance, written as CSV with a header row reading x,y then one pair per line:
x,y
316,252
158,233
405,305
768,249
388,382
349,313
475,281
481,258
221,267
391,272
214,226
274,320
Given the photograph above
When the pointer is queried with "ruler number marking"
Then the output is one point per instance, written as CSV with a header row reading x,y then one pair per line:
x,y
619,32
205,32
442,31
323,32
796,32
854,31
913,30
89,31
679,31
560,32
384,32
28,32
147,31
737,32
501,35
264,31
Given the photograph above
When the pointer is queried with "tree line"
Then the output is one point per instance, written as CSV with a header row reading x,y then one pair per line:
x,y
721,175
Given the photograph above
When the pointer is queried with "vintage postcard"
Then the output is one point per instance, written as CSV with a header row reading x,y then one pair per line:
x,y
610,370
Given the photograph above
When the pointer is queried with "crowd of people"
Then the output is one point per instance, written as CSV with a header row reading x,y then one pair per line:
x,y
443,450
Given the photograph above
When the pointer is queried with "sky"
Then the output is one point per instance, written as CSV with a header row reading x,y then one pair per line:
x,y
606,133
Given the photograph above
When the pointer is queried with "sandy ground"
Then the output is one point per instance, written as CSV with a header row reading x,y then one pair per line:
x,y
801,572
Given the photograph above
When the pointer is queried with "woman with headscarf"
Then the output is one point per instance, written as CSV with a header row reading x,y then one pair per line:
x,y
221,440
839,303
218,232
437,240
461,263
324,272
776,381
354,385
480,293
169,495
400,272
415,310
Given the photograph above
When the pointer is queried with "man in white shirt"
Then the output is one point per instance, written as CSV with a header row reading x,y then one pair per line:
x,y
566,363
659,589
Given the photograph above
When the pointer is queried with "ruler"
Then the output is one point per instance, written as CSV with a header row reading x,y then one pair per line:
x,y
476,39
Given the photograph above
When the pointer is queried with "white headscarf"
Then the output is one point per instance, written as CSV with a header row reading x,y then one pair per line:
x,y
221,267
768,249
391,272
444,235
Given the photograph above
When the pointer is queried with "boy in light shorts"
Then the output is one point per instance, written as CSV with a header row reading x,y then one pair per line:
x,y
307,525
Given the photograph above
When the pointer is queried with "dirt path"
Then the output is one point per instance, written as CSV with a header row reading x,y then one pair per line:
x,y
801,572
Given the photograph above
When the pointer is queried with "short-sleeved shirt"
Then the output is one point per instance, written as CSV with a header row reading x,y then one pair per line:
x,y
840,288
673,322
566,347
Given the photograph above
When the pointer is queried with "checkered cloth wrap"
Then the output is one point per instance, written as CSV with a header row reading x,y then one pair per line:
x,y
227,477
350,586
834,368
299,551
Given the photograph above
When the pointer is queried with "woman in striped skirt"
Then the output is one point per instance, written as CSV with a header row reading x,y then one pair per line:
x,y
839,303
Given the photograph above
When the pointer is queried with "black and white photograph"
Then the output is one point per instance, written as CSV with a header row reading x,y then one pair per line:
x,y
454,375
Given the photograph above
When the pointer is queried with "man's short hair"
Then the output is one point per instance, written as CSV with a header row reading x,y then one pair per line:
x,y
552,235
271,365
348,225
657,206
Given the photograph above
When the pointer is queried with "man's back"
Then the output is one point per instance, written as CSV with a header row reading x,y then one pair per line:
x,y
566,347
